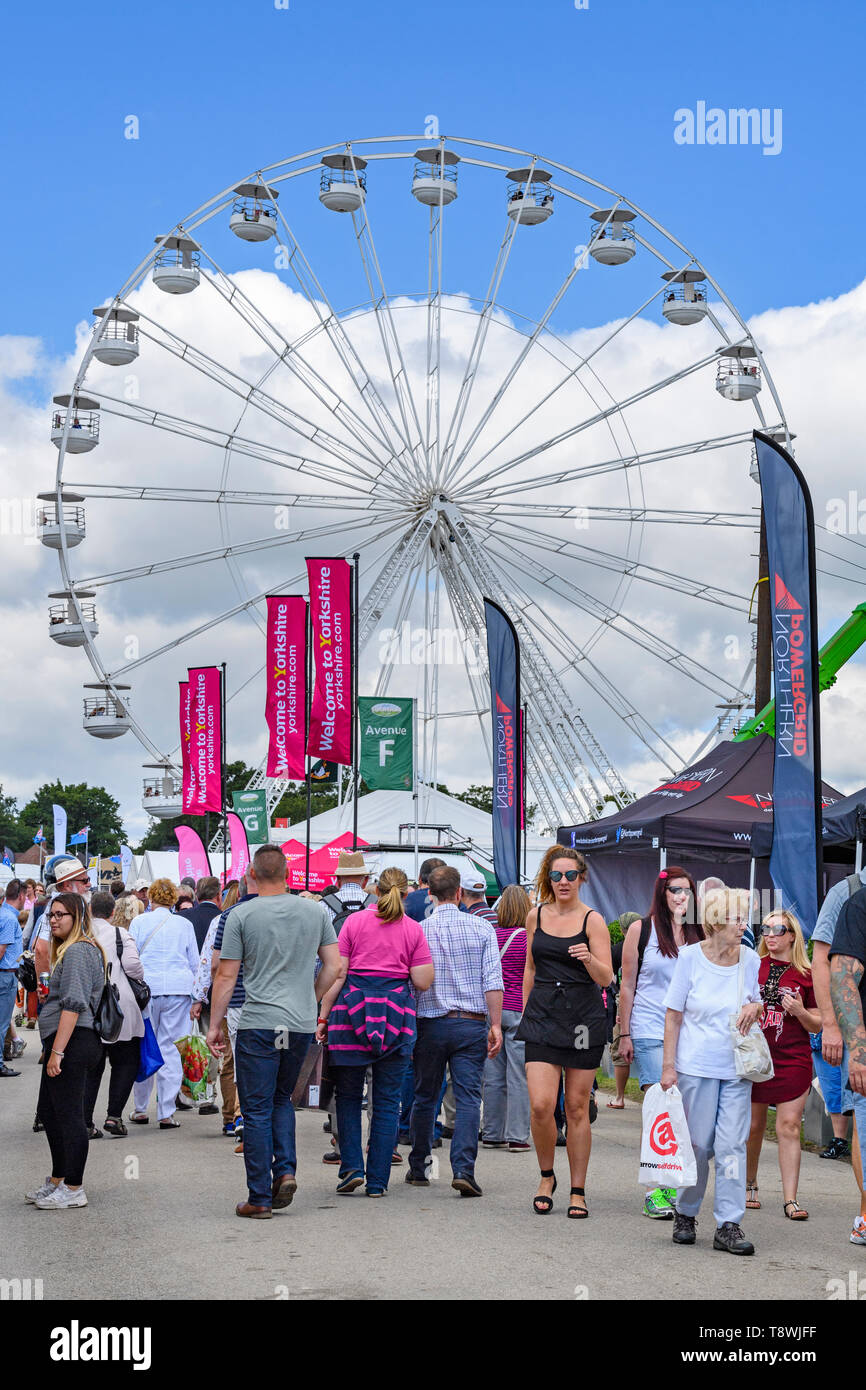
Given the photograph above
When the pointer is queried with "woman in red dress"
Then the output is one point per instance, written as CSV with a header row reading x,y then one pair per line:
x,y
790,1015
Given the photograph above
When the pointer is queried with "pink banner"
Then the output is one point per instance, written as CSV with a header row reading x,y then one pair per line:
x,y
331,714
286,669
185,734
205,740
239,860
192,860
323,862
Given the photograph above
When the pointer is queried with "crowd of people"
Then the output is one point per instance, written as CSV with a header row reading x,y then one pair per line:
x,y
444,1017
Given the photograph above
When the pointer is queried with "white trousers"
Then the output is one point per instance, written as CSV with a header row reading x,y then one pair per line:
x,y
169,1014
719,1116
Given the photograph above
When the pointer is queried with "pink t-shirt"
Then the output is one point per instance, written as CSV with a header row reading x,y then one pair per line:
x,y
374,947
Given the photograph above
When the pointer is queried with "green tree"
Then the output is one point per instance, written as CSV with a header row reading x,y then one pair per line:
x,y
84,805
11,832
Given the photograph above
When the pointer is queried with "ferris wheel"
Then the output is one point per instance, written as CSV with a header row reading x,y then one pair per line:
x,y
260,393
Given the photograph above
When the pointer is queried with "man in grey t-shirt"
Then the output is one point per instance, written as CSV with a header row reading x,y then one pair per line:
x,y
277,937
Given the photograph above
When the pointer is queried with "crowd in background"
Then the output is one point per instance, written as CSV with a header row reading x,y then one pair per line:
x,y
442,1016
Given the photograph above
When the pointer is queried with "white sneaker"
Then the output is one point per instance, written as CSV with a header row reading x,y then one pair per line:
x,y
858,1235
43,1191
62,1197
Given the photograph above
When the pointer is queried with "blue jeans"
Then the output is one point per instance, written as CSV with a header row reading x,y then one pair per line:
x,y
462,1044
266,1076
8,991
407,1100
388,1074
830,1079
506,1095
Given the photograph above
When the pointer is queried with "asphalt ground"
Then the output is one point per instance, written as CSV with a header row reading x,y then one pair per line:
x,y
161,1224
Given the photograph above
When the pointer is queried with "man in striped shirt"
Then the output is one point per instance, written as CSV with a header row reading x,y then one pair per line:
x,y
459,1025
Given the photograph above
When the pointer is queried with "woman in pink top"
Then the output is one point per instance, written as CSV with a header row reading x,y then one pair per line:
x,y
506,1095
368,1020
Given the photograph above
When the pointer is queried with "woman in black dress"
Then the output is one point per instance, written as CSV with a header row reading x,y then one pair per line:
x,y
564,1022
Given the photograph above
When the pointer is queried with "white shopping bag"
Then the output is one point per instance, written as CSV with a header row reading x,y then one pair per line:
x,y
666,1155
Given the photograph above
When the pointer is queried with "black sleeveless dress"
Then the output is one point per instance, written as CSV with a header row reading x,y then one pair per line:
x,y
565,1021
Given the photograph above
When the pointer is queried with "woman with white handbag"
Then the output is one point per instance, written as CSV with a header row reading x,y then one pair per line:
x,y
712,1005
790,1015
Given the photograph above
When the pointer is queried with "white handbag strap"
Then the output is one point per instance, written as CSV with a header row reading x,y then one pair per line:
x,y
509,941
741,978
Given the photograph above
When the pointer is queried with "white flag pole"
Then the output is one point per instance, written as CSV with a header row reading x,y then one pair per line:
x,y
415,775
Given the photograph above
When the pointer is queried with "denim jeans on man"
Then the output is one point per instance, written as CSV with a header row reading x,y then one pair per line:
x,y
267,1064
388,1074
8,992
462,1044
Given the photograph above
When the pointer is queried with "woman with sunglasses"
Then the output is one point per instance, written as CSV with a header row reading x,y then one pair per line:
x,y
649,957
564,1023
790,1015
71,1048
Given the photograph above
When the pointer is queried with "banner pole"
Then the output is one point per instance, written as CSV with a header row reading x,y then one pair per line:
x,y
223,766
523,783
308,643
355,740
415,774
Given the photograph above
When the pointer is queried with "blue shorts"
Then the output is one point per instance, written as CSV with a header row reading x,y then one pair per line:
x,y
648,1054
830,1079
852,1101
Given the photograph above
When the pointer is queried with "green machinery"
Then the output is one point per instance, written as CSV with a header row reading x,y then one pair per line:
x,y
832,656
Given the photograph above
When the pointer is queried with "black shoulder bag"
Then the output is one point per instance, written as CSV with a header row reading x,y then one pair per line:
x,y
140,988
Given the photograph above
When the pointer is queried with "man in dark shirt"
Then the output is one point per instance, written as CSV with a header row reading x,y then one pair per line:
x,y
848,996
419,904
207,893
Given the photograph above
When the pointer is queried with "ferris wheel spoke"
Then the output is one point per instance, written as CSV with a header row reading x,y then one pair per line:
x,y
254,396
386,427
648,574
294,361
583,665
433,419
412,432
662,515
616,621
592,470
205,557
123,492
570,376
645,394
226,439
475,353
244,606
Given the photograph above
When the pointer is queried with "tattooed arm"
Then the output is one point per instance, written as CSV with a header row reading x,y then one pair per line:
x,y
845,975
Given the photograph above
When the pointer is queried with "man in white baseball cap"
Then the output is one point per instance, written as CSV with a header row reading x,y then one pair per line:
x,y
474,886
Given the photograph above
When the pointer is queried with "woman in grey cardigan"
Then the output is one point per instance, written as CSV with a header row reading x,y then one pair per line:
x,y
124,1054
71,1048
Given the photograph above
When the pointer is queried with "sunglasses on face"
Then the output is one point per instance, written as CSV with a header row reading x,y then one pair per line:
x,y
679,892
775,931
557,874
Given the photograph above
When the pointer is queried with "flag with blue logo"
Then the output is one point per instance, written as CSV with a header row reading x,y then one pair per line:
x,y
8,857
81,837
503,658
39,838
796,862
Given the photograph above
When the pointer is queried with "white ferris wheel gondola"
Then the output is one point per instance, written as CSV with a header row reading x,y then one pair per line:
x,y
738,375
77,421
68,518
254,216
162,794
685,300
117,343
449,495
177,264
72,622
612,241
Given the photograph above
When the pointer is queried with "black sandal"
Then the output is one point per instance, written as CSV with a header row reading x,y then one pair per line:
x,y
542,1205
577,1213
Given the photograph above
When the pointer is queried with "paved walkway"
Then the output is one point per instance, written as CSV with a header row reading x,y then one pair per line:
x,y
161,1224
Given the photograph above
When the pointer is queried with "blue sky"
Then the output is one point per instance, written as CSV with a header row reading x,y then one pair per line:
x,y
222,87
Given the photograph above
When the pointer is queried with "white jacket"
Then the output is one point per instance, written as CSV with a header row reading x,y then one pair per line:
x,y
167,946
106,935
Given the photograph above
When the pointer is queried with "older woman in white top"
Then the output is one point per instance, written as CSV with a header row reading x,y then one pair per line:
x,y
169,954
707,991
124,1054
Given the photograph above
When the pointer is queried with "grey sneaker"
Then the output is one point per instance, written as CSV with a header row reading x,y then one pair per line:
x,y
729,1236
43,1191
61,1198
684,1229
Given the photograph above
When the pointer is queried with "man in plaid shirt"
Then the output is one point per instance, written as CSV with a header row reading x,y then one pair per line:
x,y
459,1024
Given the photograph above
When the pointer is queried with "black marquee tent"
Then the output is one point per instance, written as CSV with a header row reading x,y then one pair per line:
x,y
702,819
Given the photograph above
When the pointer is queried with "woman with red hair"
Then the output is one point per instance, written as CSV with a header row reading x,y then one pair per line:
x,y
649,956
